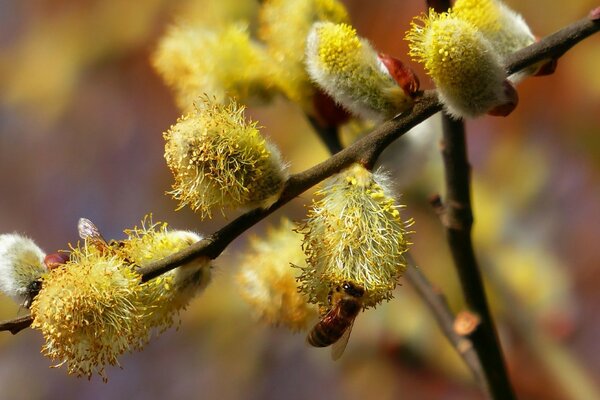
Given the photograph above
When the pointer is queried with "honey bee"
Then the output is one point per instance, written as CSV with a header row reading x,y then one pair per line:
x,y
335,326
89,232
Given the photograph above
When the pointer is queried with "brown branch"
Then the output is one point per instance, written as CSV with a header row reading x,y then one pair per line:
x,y
457,218
365,151
16,325
445,318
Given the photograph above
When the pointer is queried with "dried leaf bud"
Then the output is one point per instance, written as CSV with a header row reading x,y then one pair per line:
x,y
167,294
284,25
223,63
220,160
464,66
350,71
21,267
90,312
267,281
354,234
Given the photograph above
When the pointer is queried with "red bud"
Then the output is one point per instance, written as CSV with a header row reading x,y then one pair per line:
x,y
403,75
509,105
547,68
55,260
328,112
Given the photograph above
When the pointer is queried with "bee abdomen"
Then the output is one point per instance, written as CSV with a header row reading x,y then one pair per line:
x,y
324,335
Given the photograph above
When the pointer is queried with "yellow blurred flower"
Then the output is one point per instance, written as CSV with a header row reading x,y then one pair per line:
x,y
284,25
222,63
267,280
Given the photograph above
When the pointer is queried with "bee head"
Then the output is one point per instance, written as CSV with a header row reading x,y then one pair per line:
x,y
32,290
353,290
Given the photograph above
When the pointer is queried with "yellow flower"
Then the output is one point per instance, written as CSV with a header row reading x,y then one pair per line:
x,y
220,160
267,280
284,25
222,62
165,295
350,71
354,234
90,312
464,66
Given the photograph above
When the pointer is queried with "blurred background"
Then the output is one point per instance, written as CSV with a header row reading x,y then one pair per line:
x,y
81,119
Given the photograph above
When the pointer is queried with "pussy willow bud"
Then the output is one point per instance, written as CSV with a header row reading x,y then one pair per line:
x,y
351,72
21,265
267,281
90,312
284,25
506,30
222,63
220,160
354,234
464,66
167,294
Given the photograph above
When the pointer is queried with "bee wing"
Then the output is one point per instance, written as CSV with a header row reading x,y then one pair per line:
x,y
89,231
338,348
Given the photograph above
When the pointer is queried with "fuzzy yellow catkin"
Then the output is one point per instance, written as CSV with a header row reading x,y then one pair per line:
x,y
347,68
172,291
220,160
90,312
463,64
506,30
354,233
222,62
267,280
284,25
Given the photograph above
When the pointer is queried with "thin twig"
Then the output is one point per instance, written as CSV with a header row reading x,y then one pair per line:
x,y
425,106
445,318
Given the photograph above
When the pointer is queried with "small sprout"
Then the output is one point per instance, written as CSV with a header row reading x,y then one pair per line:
x,y
354,235
21,268
267,280
90,312
284,25
352,73
463,64
222,62
219,160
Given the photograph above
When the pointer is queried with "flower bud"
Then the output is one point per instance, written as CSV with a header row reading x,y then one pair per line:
x,y
354,234
21,266
267,280
464,66
221,161
350,71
